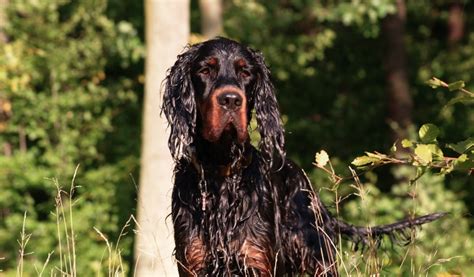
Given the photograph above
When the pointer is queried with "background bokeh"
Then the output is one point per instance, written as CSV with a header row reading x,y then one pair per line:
x,y
71,92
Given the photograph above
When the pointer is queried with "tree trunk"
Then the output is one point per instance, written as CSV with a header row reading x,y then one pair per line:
x,y
455,23
5,105
400,104
211,17
3,20
167,33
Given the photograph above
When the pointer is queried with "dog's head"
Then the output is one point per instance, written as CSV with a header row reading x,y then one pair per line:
x,y
210,93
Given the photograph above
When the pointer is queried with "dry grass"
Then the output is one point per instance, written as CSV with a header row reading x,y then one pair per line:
x,y
368,263
23,242
66,237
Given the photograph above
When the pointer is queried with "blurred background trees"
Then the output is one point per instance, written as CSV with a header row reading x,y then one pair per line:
x,y
350,77
69,86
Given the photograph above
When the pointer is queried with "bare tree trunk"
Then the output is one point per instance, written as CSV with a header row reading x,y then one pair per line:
x,y
455,23
400,103
211,17
3,20
167,32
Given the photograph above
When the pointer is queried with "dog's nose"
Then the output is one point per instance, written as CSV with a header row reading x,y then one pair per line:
x,y
230,100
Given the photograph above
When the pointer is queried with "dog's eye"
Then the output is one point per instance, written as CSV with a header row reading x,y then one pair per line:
x,y
204,71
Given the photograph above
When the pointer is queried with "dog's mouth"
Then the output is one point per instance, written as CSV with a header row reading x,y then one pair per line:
x,y
229,126
230,131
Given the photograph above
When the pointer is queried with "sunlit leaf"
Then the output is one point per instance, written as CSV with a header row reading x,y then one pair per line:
x,y
365,160
456,85
463,163
393,148
463,146
437,153
434,82
423,151
407,143
428,132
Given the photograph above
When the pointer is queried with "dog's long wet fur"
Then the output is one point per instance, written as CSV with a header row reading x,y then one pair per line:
x,y
238,210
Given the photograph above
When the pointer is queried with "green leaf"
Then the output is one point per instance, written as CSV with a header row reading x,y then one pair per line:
x,y
461,99
456,85
322,158
464,163
365,160
462,158
462,146
423,152
428,132
434,82
436,151
393,149
407,143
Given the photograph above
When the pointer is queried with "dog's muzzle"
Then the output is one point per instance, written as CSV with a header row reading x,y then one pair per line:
x,y
226,111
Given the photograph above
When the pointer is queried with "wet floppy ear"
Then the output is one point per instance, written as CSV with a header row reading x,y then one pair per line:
x,y
179,104
272,140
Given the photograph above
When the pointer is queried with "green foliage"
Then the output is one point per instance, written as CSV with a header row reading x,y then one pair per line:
x,y
432,252
327,58
68,81
62,75
420,192
428,133
425,152
321,77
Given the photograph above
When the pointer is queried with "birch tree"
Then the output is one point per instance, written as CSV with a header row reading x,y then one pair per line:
x,y
211,17
167,32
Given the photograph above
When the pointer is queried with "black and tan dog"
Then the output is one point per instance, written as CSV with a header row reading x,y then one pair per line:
x,y
238,210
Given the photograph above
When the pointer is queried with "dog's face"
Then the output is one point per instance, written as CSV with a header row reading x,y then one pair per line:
x,y
223,76
210,93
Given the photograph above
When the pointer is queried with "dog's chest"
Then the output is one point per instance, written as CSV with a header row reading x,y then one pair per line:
x,y
235,222
228,209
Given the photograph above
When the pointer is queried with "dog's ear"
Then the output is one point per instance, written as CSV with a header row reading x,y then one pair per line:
x,y
179,105
272,139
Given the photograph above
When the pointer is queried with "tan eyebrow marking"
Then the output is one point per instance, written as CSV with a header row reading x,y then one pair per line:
x,y
241,62
212,61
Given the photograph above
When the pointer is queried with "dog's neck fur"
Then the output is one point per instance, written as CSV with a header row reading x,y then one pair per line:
x,y
231,198
224,157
